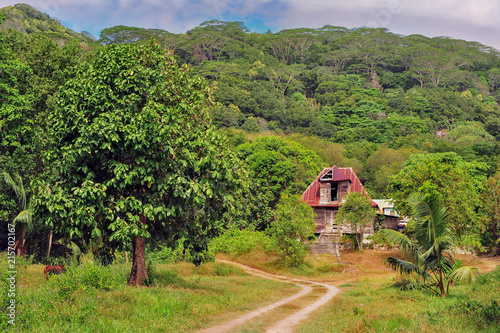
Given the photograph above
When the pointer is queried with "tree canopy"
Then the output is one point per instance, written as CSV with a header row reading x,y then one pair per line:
x,y
456,182
357,214
135,155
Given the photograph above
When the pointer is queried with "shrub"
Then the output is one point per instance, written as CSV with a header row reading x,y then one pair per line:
x,y
292,227
88,275
237,242
168,255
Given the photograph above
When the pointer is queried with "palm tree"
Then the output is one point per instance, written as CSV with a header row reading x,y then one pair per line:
x,y
429,258
25,217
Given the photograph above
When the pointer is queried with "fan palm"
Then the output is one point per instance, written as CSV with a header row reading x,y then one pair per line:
x,y
428,253
24,218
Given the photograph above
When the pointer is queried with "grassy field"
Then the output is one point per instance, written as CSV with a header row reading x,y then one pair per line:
x,y
369,302
183,298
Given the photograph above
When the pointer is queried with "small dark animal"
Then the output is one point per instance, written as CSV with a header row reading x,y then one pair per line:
x,y
53,270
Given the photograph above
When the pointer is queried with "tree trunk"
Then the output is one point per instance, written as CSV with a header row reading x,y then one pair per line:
x,y
21,244
441,285
494,229
359,239
50,243
339,259
138,273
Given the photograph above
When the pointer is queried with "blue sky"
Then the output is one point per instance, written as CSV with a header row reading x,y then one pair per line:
x,y
475,20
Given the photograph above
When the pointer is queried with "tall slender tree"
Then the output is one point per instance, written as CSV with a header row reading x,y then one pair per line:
x,y
24,218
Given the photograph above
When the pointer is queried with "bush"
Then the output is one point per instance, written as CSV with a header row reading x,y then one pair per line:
x,y
237,242
88,275
292,227
167,255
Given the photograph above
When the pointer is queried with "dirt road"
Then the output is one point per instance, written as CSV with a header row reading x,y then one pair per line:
x,y
284,325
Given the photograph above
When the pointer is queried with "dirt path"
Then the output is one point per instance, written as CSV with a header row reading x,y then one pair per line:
x,y
286,324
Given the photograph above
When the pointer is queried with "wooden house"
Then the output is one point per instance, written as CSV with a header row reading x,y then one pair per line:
x,y
326,194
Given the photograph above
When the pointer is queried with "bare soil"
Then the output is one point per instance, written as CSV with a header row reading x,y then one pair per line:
x,y
286,324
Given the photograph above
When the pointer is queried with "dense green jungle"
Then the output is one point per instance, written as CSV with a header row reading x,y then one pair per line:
x,y
407,113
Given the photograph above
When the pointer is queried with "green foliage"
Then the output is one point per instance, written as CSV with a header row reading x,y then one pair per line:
x,y
276,166
431,266
87,276
491,212
356,213
135,154
446,174
124,35
27,19
236,242
292,228
485,314
169,255
364,91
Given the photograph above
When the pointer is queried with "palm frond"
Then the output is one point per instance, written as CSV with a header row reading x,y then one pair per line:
x,y
432,219
395,237
402,266
410,284
25,217
464,274
439,245
18,187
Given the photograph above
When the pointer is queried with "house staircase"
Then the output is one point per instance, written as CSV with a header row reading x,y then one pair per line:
x,y
326,243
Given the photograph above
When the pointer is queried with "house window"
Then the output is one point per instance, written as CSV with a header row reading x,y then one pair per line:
x,y
334,192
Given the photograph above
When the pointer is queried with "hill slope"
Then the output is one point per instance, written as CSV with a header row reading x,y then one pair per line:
x,y
27,19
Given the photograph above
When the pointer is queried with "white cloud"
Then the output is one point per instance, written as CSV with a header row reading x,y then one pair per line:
x,y
466,19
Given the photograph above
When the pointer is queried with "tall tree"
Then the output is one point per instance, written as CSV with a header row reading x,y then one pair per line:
x,y
491,200
458,183
136,156
292,227
24,218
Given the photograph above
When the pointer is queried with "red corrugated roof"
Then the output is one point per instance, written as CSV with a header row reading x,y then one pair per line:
x,y
311,195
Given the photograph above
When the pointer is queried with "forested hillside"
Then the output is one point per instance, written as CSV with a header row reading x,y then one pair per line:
x,y
26,19
379,97
363,98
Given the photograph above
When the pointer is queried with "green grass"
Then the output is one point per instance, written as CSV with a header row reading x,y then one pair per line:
x,y
182,298
185,298
375,305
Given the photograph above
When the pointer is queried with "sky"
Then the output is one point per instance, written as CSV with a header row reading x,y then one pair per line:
x,y
473,20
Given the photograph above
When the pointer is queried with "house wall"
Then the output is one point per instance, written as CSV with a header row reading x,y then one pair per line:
x,y
325,222
324,192
391,222
325,218
344,188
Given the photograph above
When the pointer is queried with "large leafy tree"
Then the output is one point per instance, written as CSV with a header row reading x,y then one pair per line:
x,y
456,181
491,200
276,166
429,258
136,156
